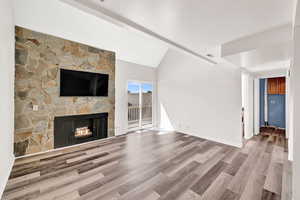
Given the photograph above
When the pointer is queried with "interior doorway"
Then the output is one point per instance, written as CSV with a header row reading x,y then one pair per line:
x,y
272,102
140,104
272,106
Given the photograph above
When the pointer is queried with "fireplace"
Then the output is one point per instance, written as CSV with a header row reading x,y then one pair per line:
x,y
76,129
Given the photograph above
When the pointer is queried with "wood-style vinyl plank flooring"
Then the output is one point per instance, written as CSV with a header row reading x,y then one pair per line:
x,y
156,165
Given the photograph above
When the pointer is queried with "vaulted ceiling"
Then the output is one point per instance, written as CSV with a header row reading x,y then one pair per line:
x,y
200,27
57,18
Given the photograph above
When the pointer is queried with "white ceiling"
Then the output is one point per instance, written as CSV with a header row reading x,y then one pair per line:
x,y
199,25
262,58
270,49
62,20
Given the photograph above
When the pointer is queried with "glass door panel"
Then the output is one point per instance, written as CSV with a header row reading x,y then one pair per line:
x,y
134,105
147,90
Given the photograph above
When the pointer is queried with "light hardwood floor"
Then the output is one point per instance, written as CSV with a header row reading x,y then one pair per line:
x,y
152,166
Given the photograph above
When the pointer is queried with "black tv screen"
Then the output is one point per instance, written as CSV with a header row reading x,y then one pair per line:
x,y
77,83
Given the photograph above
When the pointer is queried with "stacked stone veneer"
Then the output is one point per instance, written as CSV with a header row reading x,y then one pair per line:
x,y
38,60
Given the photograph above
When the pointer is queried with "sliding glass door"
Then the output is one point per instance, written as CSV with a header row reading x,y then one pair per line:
x,y
139,105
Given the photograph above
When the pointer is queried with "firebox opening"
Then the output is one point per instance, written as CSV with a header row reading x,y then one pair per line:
x,y
70,130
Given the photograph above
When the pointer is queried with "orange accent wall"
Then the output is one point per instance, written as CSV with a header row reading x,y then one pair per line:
x,y
276,85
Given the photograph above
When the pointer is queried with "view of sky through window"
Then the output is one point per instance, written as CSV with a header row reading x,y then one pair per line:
x,y
134,87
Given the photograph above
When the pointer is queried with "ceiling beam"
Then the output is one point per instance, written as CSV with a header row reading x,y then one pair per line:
x,y
103,13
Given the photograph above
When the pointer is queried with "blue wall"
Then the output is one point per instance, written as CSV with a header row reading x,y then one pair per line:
x,y
276,110
261,102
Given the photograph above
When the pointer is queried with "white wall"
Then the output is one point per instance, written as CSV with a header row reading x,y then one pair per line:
x,y
294,135
125,72
289,116
200,99
294,108
256,106
248,103
287,105
7,46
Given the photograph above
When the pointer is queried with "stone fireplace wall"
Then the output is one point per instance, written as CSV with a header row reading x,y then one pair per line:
x,y
38,60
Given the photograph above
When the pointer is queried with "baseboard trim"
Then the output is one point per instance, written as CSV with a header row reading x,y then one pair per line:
x,y
238,145
5,178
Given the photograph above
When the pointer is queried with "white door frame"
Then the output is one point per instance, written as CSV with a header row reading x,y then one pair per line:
x,y
287,101
248,104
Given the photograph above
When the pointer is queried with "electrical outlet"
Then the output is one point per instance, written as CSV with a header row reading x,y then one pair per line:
x,y
35,108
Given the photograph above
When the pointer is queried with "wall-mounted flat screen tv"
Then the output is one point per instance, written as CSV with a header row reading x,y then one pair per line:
x,y
77,83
